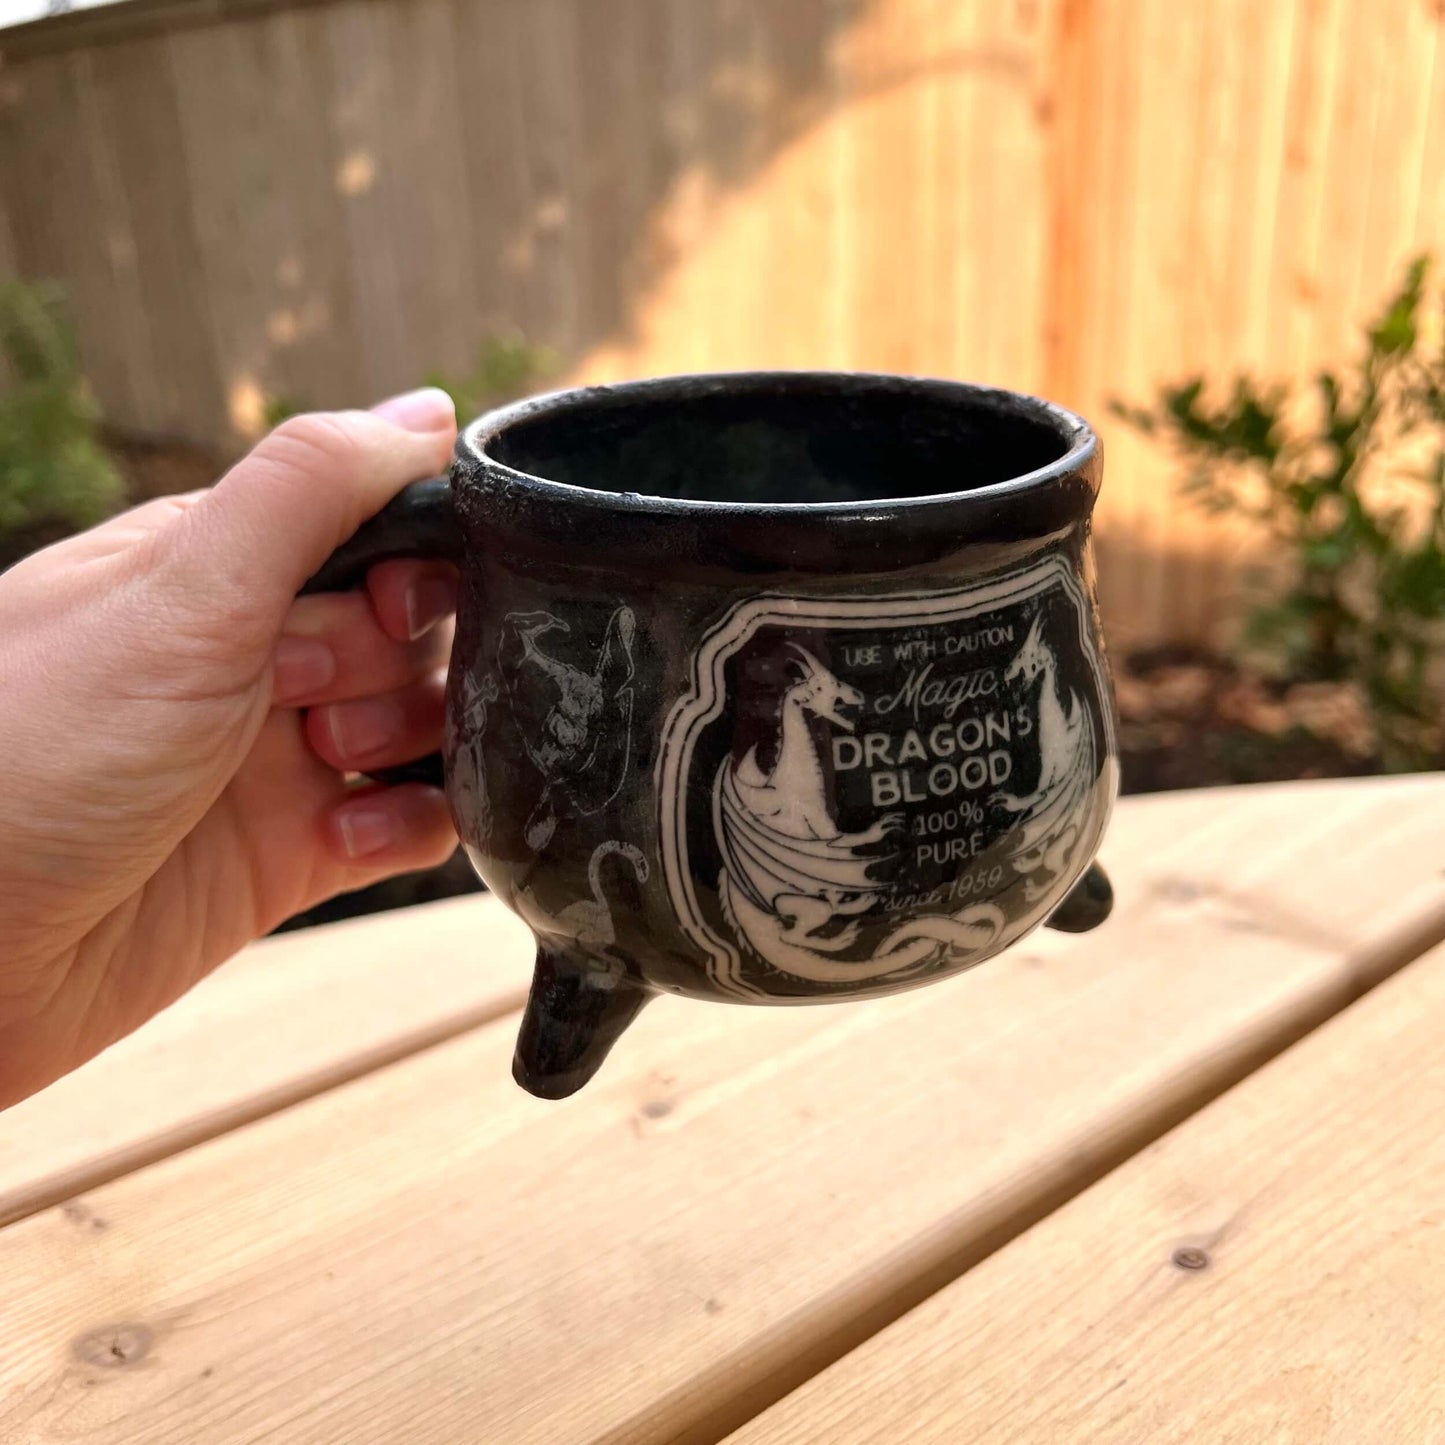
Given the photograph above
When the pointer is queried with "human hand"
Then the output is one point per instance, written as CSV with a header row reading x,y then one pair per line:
x,y
175,726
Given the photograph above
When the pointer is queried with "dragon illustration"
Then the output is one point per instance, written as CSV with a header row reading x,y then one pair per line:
x,y
586,924
583,741
1051,815
792,883
589,920
466,731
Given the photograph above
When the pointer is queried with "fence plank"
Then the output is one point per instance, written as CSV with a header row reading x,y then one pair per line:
x,y
1083,197
488,81
70,221
272,261
364,180
139,110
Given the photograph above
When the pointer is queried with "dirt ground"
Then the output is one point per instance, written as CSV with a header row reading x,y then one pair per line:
x,y
1194,719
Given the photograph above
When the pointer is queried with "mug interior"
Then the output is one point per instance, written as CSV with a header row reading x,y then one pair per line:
x,y
791,438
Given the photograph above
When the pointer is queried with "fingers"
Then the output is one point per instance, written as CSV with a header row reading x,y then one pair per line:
x,y
336,646
300,833
412,597
392,830
241,552
369,733
423,410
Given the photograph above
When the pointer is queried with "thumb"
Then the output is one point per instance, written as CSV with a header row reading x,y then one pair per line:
x,y
236,558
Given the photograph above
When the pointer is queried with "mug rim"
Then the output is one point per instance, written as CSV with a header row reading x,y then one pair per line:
x,y
1082,442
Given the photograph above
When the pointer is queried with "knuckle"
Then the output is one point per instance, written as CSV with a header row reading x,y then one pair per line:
x,y
315,444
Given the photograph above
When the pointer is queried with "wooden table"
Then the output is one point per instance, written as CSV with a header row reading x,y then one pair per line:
x,y
1179,1179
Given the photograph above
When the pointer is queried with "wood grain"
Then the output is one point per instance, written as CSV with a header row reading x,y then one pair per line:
x,y
289,1017
139,114
1086,198
271,240
742,1195
55,166
1270,1271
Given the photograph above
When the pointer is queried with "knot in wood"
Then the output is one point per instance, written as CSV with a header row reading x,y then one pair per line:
x,y
115,1346
1190,1256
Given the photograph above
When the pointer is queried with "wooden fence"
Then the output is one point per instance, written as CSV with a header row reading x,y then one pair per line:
x,y
1079,197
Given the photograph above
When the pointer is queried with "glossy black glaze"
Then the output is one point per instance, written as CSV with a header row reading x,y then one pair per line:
x,y
1088,904
417,522
771,688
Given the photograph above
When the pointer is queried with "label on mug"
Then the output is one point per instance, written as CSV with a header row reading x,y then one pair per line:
x,y
857,790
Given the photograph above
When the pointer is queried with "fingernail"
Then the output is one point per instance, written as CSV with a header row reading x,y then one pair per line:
x,y
366,828
362,728
428,409
428,600
300,667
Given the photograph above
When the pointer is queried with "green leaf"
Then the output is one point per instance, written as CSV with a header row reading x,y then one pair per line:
x,y
52,466
507,367
1138,417
1416,583
1397,329
277,409
1328,553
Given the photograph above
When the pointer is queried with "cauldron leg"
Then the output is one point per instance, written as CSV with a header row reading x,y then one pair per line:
x,y
575,1012
1088,903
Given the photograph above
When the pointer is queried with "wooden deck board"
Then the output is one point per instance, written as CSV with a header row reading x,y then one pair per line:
x,y
1305,1305
741,1197
290,1016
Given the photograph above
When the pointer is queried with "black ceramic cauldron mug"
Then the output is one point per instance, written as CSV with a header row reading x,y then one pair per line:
x,y
767,688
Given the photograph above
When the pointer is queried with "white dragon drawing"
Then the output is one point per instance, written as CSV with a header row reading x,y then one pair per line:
x,y
466,734
792,883
581,741
1052,816
587,923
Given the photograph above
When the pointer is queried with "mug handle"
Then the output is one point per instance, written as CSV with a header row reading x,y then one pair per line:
x,y
419,521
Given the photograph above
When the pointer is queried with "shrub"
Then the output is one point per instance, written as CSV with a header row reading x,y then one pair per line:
x,y
507,367
54,474
1348,475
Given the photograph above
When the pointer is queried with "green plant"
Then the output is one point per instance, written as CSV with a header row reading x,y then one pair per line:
x,y
54,474
507,367
1348,475
276,409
